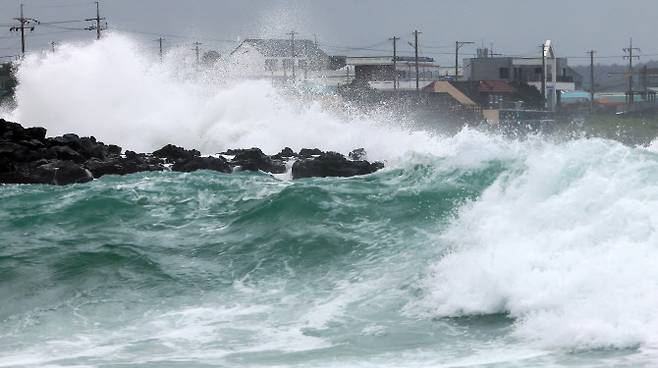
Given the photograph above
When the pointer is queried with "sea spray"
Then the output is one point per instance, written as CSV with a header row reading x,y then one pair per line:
x,y
111,90
565,243
467,250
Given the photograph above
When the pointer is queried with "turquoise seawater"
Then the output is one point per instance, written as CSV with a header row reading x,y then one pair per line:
x,y
432,262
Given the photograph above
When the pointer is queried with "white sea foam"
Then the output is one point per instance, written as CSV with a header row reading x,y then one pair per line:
x,y
566,243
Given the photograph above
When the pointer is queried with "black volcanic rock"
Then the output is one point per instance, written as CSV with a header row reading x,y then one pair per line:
x,y
173,153
63,173
28,157
332,164
114,150
285,154
37,133
67,153
47,172
358,154
254,159
232,151
308,152
202,163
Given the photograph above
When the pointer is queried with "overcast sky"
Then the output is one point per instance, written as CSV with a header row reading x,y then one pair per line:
x,y
345,26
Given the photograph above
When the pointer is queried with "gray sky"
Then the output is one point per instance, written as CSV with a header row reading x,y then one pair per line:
x,y
513,26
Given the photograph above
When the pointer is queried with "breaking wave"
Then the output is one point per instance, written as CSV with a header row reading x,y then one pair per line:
x,y
468,249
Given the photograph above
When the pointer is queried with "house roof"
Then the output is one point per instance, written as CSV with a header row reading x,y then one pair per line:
x,y
495,86
283,47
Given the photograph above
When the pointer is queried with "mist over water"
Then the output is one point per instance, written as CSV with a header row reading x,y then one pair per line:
x,y
471,249
111,90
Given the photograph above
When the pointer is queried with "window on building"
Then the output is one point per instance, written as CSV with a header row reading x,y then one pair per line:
x,y
302,64
271,64
287,64
537,70
503,73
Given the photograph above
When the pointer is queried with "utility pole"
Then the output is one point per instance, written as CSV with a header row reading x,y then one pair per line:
x,y
161,50
630,57
395,62
416,58
197,51
543,72
292,51
591,78
98,27
458,45
24,23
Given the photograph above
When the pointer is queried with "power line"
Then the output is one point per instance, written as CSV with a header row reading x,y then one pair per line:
x,y
98,27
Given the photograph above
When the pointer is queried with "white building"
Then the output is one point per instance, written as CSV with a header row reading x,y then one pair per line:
x,y
382,72
280,58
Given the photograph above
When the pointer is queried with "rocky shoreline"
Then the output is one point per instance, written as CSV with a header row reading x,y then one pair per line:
x,y
27,156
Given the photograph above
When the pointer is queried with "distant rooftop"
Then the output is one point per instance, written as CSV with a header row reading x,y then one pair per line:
x,y
283,47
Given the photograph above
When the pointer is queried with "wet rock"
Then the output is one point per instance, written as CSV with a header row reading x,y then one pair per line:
x,y
67,153
332,164
90,148
133,163
32,143
37,133
358,154
173,153
63,173
202,163
232,151
47,172
114,150
285,154
254,159
307,152
14,151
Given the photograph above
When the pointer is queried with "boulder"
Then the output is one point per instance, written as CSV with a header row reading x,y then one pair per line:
x,y
64,173
90,148
358,154
254,159
114,150
285,154
47,172
132,164
332,164
202,163
173,153
37,133
307,152
14,151
232,151
12,131
67,153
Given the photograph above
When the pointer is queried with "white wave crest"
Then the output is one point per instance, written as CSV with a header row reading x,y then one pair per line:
x,y
566,243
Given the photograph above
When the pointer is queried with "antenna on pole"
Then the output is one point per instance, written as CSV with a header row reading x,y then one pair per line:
x,y
458,45
591,76
629,50
24,23
395,61
98,27
415,46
